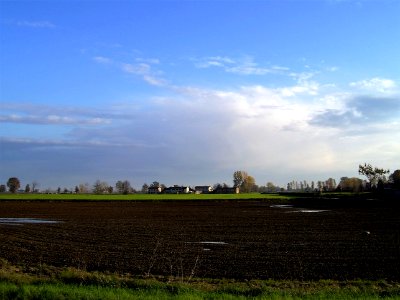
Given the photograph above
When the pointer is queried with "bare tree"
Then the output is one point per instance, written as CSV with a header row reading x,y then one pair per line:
x,y
123,187
35,186
373,174
145,188
100,187
84,188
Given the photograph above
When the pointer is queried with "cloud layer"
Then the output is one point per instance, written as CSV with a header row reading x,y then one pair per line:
x,y
195,135
243,66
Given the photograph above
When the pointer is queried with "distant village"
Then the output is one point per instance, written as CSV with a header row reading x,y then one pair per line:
x,y
242,183
200,189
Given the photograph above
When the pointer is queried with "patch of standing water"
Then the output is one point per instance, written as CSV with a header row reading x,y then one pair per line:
x,y
208,243
281,206
20,221
308,211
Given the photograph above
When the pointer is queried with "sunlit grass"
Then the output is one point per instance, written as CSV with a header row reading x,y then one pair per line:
x,y
141,197
70,283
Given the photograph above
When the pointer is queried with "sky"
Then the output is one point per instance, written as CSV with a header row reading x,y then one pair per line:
x,y
187,92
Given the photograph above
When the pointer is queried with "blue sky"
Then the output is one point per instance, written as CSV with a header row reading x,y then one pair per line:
x,y
187,92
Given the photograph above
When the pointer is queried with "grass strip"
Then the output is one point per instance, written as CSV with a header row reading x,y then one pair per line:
x,y
49,282
69,291
141,197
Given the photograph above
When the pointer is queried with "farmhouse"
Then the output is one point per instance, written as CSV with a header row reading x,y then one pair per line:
x,y
203,189
177,190
200,189
154,190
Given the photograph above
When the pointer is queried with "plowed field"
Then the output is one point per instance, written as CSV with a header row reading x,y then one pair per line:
x,y
232,239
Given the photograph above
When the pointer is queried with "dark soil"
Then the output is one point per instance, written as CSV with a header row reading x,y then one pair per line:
x,y
232,239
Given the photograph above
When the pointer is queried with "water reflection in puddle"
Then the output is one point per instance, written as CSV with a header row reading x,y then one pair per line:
x,y
297,210
308,211
208,243
21,221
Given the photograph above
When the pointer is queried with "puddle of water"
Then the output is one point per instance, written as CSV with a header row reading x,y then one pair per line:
x,y
308,211
281,206
20,221
208,243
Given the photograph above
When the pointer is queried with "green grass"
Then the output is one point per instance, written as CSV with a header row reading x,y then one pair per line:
x,y
142,197
68,283
62,291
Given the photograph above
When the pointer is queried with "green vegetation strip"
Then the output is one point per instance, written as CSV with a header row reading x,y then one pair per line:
x,y
141,197
67,283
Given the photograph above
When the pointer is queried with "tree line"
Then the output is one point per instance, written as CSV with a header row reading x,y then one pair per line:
x,y
376,179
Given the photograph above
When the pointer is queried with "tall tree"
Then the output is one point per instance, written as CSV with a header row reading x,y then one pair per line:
x,y
13,184
145,188
155,184
351,184
395,179
123,187
270,187
84,188
249,185
239,178
217,186
373,174
244,181
35,186
330,184
27,188
100,187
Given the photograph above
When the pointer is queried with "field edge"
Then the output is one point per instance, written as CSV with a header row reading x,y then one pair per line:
x,y
31,283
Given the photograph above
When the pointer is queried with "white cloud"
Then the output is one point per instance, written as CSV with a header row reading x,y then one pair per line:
x,y
153,80
52,120
194,132
262,129
248,68
280,68
332,69
145,70
244,66
310,88
102,60
142,68
139,69
152,61
214,61
381,85
304,85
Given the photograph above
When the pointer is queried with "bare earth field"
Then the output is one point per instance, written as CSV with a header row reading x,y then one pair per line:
x,y
226,239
